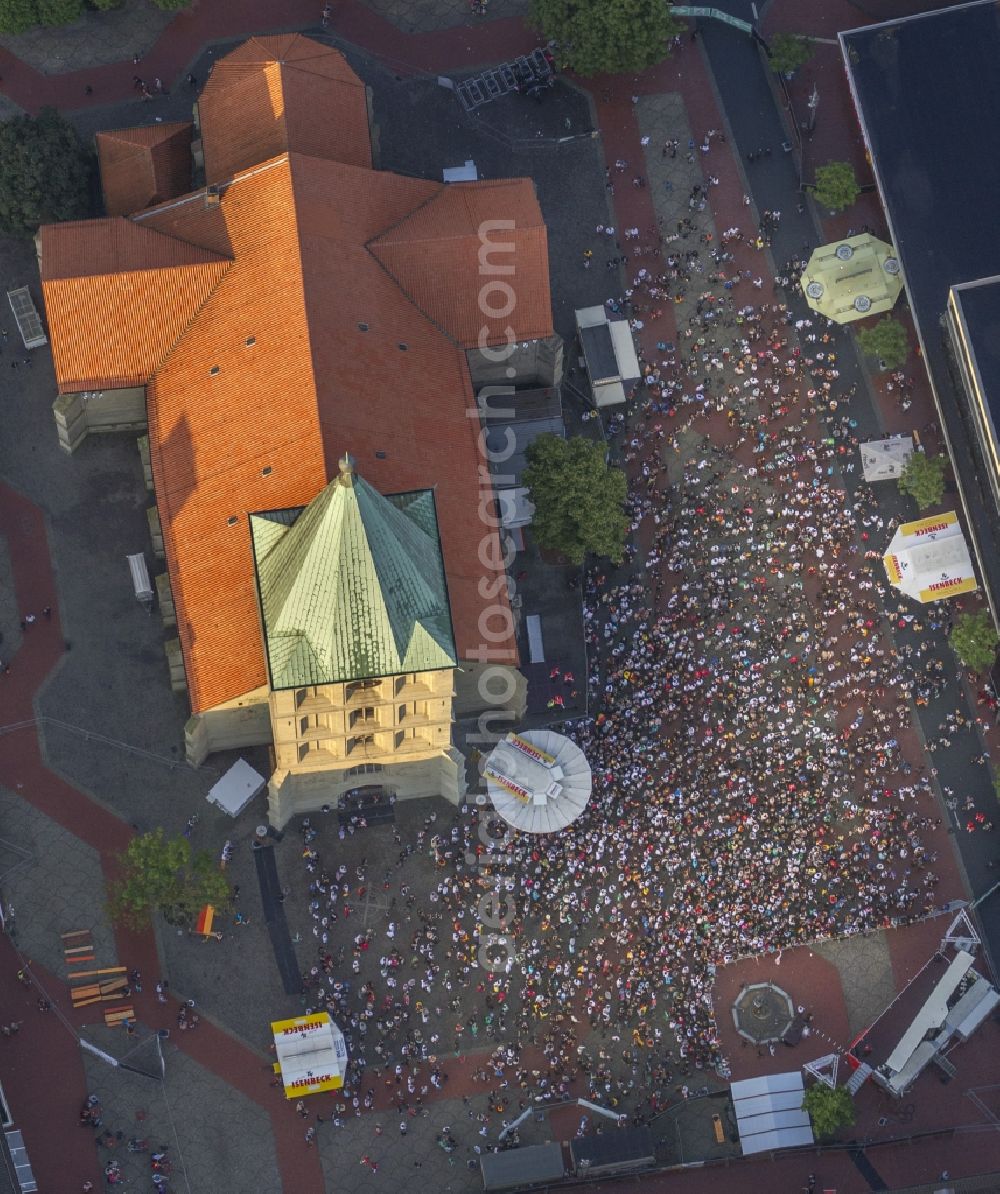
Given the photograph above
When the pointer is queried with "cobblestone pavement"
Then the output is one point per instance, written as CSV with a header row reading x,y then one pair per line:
x,y
427,16
96,39
866,975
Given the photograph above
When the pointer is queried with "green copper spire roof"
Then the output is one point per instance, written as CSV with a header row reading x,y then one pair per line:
x,y
352,586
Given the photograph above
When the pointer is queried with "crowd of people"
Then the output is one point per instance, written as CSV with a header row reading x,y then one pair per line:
x,y
746,704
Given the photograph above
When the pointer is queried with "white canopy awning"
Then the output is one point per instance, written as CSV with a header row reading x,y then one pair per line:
x,y
237,788
884,459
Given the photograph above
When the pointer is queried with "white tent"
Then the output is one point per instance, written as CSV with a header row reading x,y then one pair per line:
x,y
929,559
237,788
312,1056
769,1112
538,781
885,459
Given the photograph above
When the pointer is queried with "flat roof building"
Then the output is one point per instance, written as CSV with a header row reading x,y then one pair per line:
x,y
927,94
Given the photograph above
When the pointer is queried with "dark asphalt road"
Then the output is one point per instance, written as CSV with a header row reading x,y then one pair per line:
x,y
755,122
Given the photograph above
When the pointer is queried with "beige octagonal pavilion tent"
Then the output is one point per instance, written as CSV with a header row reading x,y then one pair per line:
x,y
852,279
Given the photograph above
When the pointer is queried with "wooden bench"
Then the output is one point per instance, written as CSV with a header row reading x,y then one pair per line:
x,y
114,1017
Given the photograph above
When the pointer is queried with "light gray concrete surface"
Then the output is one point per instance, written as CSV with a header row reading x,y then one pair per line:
x,y
219,1142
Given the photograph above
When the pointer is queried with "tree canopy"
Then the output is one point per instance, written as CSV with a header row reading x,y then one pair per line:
x,y
579,500
789,51
974,640
829,1109
887,342
835,187
18,15
161,874
923,479
607,36
46,173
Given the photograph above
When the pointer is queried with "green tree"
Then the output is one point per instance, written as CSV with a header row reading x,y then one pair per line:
x,y
887,342
161,874
579,500
996,784
789,52
58,12
829,1109
18,15
923,479
974,640
46,173
173,5
835,187
607,36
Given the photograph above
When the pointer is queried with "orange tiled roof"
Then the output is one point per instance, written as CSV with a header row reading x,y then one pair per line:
x,y
435,249
120,295
275,371
282,93
144,165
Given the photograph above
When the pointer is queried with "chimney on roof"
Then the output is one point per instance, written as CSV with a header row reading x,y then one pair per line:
x,y
213,195
346,465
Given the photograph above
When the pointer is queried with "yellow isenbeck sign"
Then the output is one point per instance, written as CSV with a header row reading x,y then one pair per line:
x,y
529,749
308,1059
515,789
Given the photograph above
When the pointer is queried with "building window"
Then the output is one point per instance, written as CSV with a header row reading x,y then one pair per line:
x,y
232,520
360,742
361,686
265,471
362,714
366,769
251,341
214,370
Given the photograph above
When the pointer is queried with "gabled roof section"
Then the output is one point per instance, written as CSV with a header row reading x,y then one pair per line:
x,y
487,237
143,166
118,296
283,93
352,587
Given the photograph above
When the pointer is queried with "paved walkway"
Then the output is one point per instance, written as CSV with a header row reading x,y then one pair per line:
x,y
25,772
218,21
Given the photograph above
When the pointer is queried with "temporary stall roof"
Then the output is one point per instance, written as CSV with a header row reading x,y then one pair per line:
x,y
973,1008
769,1112
29,323
539,781
140,578
852,279
237,788
608,353
613,1151
885,459
516,508
933,1013
522,1166
312,1056
929,559
782,1100
768,1084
